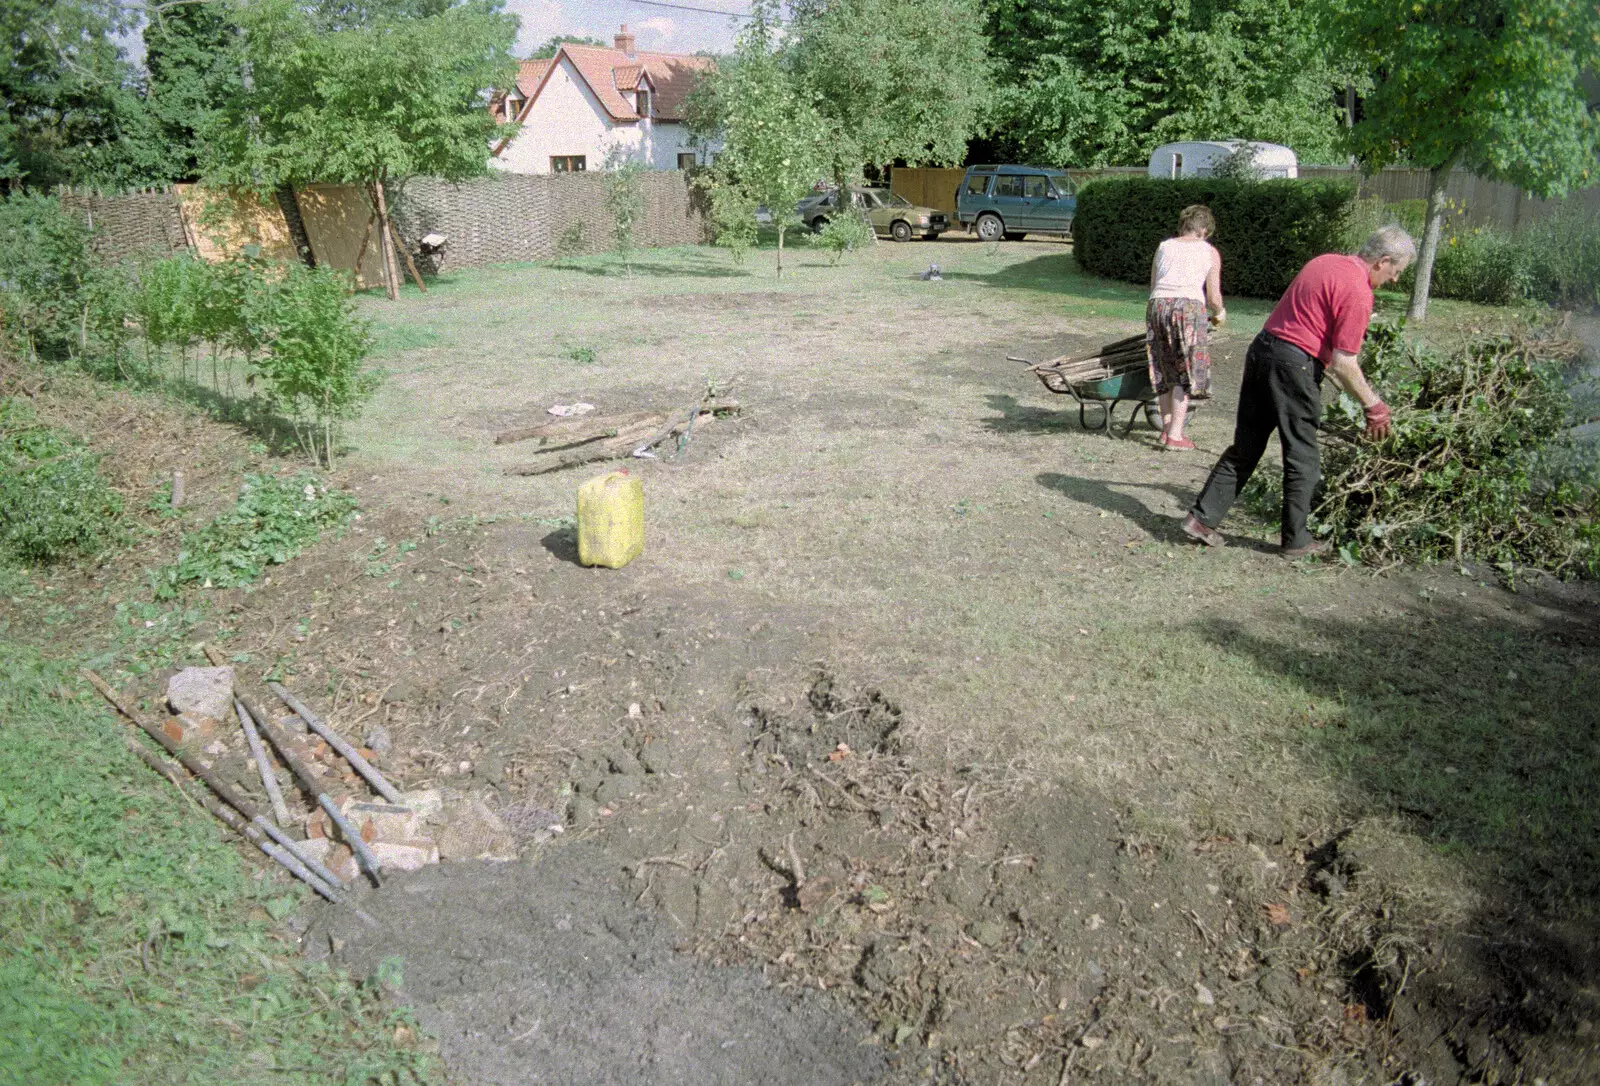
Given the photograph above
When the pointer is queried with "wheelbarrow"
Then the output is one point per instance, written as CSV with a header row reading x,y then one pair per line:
x,y
1115,374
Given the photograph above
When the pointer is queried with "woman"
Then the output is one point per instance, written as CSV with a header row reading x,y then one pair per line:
x,y
1185,282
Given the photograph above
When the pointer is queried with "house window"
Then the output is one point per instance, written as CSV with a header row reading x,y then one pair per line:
x,y
686,160
513,107
567,164
642,96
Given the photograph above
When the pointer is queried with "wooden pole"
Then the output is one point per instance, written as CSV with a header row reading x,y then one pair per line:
x,y
308,781
280,853
269,781
247,822
416,276
391,269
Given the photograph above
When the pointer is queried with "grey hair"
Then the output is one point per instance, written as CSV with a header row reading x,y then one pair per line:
x,y
1389,241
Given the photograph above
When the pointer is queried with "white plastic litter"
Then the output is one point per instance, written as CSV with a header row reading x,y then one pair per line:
x,y
564,411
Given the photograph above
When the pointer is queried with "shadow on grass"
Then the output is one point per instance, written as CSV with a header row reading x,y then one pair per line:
x,y
1483,733
247,413
1099,493
651,269
1477,732
1054,273
1018,418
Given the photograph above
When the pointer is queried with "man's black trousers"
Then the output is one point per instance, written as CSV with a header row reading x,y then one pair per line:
x,y
1282,392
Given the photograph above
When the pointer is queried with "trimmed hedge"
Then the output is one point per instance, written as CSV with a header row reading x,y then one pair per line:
x,y
1266,230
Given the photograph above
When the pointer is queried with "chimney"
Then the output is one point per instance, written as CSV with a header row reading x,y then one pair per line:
x,y
624,40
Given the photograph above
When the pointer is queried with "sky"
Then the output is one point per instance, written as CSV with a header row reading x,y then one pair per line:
x,y
657,29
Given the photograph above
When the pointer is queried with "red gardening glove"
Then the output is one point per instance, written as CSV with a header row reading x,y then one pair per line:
x,y
1377,421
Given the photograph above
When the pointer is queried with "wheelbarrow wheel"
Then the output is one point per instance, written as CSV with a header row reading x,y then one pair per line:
x,y
1152,415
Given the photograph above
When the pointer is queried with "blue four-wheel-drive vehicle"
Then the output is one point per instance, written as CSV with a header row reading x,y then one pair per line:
x,y
1012,201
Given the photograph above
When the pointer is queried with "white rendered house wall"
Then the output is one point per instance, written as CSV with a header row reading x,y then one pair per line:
x,y
566,119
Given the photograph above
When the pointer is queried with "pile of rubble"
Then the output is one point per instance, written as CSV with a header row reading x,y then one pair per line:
x,y
307,797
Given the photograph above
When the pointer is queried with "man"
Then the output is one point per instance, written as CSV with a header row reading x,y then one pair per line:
x,y
1318,326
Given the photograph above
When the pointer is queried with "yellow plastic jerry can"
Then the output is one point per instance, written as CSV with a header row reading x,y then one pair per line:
x,y
610,520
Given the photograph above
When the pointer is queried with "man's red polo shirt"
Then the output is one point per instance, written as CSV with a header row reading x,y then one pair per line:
x,y
1326,308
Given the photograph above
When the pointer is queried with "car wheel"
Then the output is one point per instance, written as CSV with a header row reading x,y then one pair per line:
x,y
900,230
990,228
1015,235
818,223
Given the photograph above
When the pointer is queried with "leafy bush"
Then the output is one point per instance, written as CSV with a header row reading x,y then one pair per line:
x,y
44,268
733,217
274,519
843,233
1467,470
1564,258
313,346
54,503
1266,231
1482,266
624,196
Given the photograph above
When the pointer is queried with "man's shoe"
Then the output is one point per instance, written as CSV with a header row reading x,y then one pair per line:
x,y
1200,533
1313,549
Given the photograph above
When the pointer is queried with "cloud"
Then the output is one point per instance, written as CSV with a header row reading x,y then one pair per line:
x,y
661,26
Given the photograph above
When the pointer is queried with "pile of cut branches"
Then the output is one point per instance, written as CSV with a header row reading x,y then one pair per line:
x,y
1480,465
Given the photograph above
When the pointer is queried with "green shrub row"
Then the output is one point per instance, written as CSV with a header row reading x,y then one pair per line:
x,y
291,330
1266,231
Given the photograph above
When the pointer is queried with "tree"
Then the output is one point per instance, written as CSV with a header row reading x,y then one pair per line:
x,y
71,112
896,80
1493,86
625,201
774,140
366,105
1104,84
552,46
193,70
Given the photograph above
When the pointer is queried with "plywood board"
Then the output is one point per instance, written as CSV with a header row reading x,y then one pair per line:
x,y
219,223
336,217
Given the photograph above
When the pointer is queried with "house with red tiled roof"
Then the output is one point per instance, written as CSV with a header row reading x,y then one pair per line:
x,y
588,103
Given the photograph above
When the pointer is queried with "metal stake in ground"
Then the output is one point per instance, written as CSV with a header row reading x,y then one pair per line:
x,y
251,825
338,743
269,780
307,779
